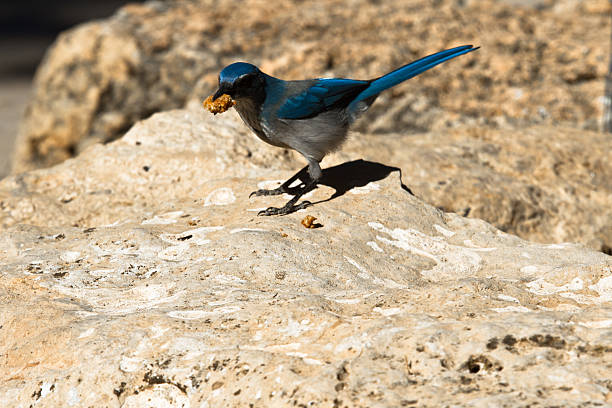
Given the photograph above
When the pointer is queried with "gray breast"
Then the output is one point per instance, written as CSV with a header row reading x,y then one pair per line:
x,y
316,136
251,115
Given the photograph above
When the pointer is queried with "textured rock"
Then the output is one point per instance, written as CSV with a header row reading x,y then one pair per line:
x,y
130,286
544,64
541,183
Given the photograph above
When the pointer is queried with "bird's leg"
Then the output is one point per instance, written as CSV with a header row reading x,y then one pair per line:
x,y
314,171
284,188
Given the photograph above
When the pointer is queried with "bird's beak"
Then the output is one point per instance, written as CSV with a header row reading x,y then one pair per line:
x,y
219,92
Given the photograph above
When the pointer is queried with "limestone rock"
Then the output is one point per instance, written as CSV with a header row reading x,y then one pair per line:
x,y
124,286
544,64
541,183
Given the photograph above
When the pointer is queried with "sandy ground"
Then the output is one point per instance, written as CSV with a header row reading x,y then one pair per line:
x,y
14,94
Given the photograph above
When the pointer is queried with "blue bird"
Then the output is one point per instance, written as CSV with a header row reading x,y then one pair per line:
x,y
310,116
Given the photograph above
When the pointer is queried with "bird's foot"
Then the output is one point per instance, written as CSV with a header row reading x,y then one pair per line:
x,y
287,209
276,191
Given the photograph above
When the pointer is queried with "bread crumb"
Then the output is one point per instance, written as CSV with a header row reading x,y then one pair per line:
x,y
220,105
308,222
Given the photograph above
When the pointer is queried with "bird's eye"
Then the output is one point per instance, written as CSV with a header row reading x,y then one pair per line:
x,y
246,81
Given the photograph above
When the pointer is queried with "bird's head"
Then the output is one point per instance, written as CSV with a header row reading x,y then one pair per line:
x,y
240,80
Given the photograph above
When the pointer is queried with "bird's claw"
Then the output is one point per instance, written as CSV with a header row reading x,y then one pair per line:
x,y
287,209
278,191
258,193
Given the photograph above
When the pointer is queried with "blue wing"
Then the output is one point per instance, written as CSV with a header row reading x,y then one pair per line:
x,y
323,95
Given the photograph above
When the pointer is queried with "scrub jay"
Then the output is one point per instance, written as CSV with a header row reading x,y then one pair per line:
x,y
310,116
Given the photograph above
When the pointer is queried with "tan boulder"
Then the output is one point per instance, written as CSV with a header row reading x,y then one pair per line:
x,y
126,286
540,183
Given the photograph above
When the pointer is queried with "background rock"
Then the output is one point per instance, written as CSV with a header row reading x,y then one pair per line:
x,y
543,64
27,30
139,273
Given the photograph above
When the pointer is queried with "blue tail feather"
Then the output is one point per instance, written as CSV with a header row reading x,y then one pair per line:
x,y
411,70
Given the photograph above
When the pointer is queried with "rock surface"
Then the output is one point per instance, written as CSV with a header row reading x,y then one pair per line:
x,y
139,275
545,64
540,183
